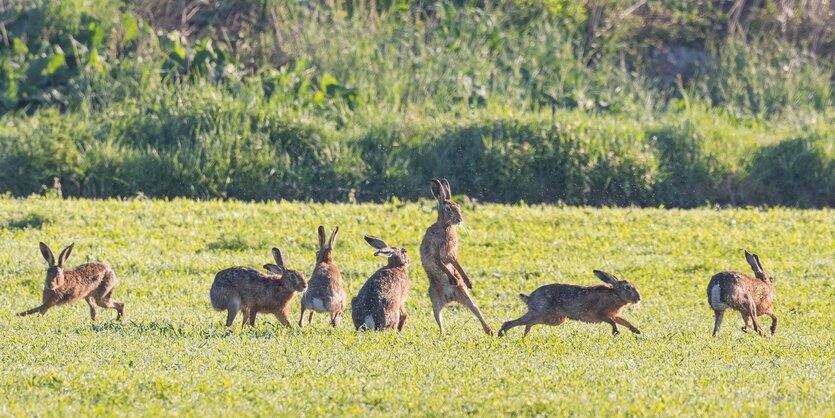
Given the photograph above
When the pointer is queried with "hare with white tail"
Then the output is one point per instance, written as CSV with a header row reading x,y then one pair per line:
x,y
439,256
752,297
252,291
325,292
381,302
92,281
554,303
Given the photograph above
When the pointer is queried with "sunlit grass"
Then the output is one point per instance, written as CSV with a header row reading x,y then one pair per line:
x,y
173,355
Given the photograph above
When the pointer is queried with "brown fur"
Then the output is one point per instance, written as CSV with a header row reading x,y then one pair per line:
x,y
554,303
439,256
381,302
252,291
92,281
752,297
325,292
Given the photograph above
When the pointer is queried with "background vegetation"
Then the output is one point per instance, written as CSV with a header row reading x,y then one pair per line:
x,y
173,356
612,102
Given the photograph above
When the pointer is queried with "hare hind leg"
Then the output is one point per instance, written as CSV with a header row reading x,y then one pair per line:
x,y
528,320
465,299
107,301
717,320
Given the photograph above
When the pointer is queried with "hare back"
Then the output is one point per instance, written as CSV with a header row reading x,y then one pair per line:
x,y
731,289
381,299
91,279
325,292
255,289
579,303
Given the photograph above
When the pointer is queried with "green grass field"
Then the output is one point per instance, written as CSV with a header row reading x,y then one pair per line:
x,y
173,356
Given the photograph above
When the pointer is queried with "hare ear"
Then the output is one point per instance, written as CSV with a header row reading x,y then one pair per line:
x,y
606,277
754,262
385,252
47,254
65,254
333,238
376,242
447,190
278,260
272,268
321,237
437,190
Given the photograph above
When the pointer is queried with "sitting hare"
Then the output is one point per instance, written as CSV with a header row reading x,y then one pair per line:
x,y
381,303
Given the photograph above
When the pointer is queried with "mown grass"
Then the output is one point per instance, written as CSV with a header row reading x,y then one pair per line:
x,y
174,357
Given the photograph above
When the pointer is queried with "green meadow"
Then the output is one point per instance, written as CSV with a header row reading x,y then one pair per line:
x,y
172,356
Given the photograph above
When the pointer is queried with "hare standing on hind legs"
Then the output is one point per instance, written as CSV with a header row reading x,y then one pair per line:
x,y
324,290
752,297
93,281
439,256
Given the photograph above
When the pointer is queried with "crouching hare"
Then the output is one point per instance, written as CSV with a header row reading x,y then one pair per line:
x,y
752,297
253,291
554,303
325,292
92,281
381,302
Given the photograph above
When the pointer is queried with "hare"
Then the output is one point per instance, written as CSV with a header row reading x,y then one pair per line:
x,y
752,297
324,290
92,281
439,257
554,303
381,302
252,291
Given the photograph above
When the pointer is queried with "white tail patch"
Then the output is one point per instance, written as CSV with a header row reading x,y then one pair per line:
x,y
369,322
319,305
715,298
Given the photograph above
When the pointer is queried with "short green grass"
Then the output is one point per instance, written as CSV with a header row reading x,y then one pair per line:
x,y
174,357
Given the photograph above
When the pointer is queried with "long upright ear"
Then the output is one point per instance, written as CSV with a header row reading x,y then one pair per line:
x,y
606,277
437,189
321,237
47,254
447,190
65,254
754,262
272,268
278,260
333,238
376,242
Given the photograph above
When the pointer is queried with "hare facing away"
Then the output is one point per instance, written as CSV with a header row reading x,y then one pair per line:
x,y
325,292
381,302
554,303
253,291
439,257
92,281
752,297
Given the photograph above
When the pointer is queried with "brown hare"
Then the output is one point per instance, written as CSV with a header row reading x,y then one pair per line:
x,y
381,302
252,291
439,257
554,303
325,292
752,297
92,281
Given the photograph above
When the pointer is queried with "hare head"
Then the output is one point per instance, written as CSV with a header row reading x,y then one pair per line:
x,y
55,270
449,213
623,288
398,257
325,252
293,280
757,267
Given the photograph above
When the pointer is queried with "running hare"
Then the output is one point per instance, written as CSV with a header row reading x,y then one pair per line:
x,y
253,291
439,256
92,281
752,297
325,292
554,303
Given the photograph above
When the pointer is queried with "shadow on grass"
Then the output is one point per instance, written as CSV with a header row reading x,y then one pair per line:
x,y
31,220
209,330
